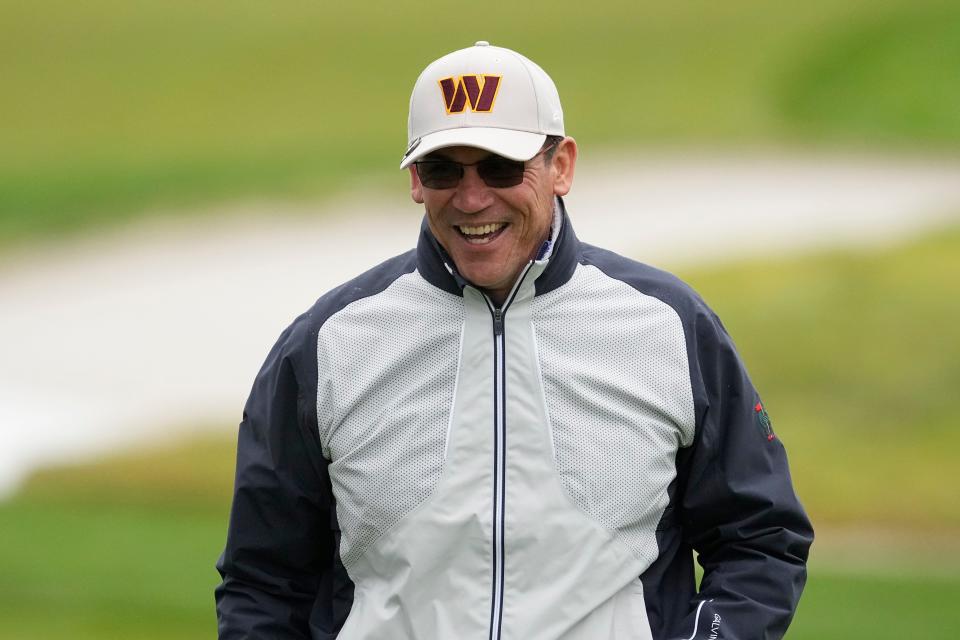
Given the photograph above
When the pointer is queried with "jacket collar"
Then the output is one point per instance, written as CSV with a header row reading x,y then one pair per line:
x,y
436,266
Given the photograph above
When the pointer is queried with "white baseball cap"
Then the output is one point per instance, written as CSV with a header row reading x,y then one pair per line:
x,y
483,96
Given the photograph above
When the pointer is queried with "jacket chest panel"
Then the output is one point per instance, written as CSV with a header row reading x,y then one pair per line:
x,y
387,369
617,388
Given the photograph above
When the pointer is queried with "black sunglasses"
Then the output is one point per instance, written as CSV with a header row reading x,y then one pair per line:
x,y
495,171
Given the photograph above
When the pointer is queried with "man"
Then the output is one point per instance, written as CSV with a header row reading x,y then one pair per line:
x,y
507,433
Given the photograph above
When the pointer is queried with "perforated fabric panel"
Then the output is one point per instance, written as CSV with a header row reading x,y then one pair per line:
x,y
387,370
619,400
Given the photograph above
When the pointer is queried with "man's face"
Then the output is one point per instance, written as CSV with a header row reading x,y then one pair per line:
x,y
491,233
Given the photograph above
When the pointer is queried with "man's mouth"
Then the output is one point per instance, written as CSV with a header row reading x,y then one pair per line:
x,y
481,234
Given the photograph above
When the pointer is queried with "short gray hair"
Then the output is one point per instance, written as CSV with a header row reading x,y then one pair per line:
x,y
550,144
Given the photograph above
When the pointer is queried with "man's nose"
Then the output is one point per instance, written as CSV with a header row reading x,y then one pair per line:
x,y
472,194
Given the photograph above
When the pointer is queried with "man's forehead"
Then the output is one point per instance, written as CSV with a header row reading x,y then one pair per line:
x,y
460,154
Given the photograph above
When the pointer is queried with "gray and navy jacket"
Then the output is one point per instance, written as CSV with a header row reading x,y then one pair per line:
x,y
415,463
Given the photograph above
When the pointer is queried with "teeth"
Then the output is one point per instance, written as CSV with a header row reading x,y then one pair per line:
x,y
481,230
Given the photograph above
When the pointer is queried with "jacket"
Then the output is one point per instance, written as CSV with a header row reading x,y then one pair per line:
x,y
414,462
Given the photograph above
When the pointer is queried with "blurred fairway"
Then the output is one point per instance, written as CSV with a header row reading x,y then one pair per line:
x,y
113,109
858,359
98,571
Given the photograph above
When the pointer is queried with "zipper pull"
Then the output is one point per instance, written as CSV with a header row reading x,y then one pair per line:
x,y
498,322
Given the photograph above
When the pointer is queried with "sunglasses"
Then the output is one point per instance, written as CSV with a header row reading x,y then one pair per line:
x,y
496,172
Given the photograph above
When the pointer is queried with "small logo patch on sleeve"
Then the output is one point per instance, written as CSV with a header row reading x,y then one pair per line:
x,y
763,421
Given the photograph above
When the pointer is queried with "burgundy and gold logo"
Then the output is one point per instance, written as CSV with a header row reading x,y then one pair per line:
x,y
473,92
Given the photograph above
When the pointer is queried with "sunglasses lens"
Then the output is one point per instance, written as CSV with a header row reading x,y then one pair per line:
x,y
500,173
439,174
496,172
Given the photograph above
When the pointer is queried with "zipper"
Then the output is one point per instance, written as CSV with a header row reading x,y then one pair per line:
x,y
499,474
499,455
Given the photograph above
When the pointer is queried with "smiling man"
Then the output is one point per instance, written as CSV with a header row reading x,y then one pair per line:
x,y
506,433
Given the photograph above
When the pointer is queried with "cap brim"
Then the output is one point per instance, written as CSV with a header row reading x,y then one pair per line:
x,y
516,145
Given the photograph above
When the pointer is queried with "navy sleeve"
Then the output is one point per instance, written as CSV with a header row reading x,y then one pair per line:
x,y
737,504
281,575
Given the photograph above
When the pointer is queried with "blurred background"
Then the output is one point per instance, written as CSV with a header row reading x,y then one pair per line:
x,y
178,180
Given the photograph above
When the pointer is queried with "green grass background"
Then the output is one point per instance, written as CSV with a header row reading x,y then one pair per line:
x,y
862,393
111,110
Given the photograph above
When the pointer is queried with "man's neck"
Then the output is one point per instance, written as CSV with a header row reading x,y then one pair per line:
x,y
544,251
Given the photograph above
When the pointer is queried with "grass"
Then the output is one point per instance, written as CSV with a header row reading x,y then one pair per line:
x,y
889,79
838,606
857,357
103,571
121,548
856,354
113,110
95,571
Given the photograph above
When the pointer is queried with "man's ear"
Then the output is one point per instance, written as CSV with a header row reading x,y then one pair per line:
x,y
416,189
563,163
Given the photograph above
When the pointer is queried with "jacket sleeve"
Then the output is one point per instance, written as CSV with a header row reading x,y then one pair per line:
x,y
279,567
738,507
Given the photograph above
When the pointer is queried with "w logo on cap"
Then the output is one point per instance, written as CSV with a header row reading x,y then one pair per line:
x,y
477,93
